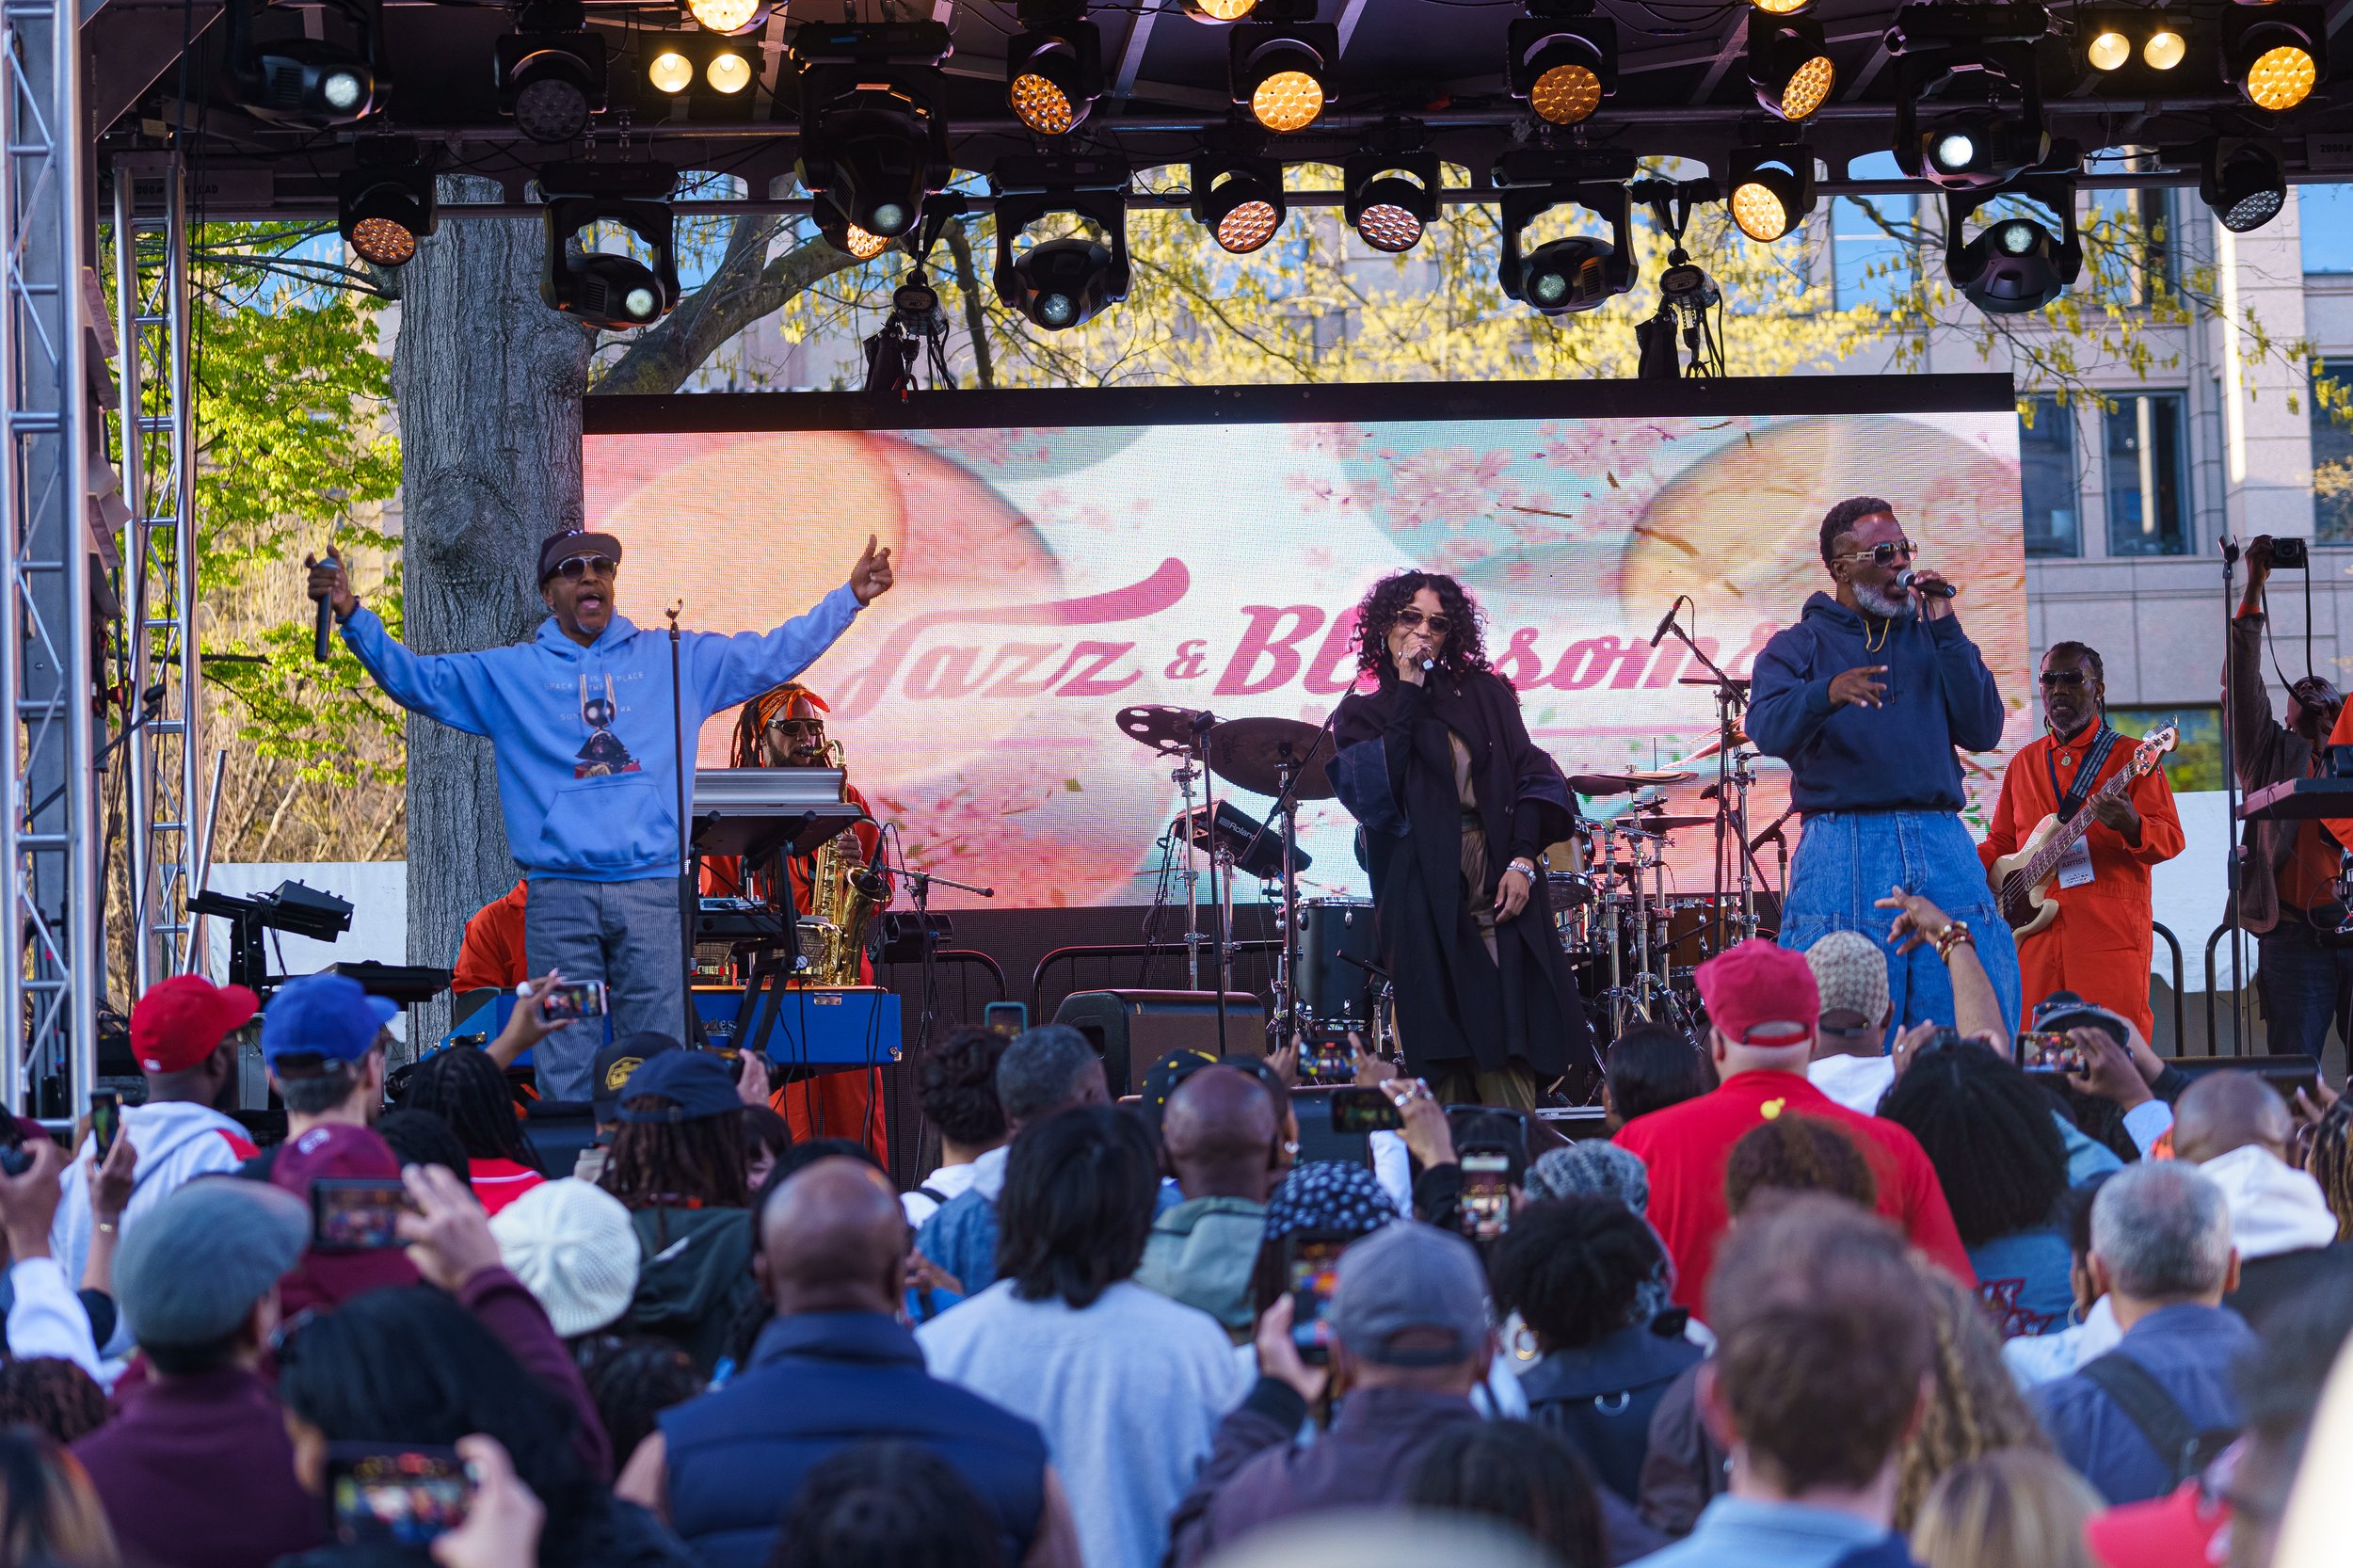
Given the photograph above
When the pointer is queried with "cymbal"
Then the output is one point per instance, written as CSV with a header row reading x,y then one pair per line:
x,y
1162,728
1249,754
1619,783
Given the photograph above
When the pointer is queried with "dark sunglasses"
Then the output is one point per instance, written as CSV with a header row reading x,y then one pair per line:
x,y
2064,677
572,568
1882,553
1411,619
796,727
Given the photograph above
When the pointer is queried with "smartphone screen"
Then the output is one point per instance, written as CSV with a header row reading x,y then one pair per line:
x,y
358,1214
1006,1018
105,1118
1359,1110
574,998
1325,1060
1311,1265
402,1497
1485,1206
2047,1050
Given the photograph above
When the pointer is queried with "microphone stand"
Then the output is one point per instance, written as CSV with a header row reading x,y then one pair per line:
x,y
2234,800
1286,806
1731,818
1221,887
920,887
689,903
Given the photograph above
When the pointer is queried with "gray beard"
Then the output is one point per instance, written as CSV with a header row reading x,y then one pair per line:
x,y
1881,604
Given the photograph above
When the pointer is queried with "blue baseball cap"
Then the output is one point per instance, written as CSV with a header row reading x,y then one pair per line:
x,y
325,1015
695,1082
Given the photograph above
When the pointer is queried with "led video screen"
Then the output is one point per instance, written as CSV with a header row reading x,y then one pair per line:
x,y
1052,572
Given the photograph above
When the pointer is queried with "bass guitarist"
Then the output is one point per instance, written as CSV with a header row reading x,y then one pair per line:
x,y
2099,945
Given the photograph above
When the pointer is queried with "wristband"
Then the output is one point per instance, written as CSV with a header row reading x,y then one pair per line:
x,y
1953,935
1526,866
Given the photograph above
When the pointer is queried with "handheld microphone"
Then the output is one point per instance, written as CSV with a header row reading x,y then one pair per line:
x,y
1429,665
326,625
1905,579
1660,636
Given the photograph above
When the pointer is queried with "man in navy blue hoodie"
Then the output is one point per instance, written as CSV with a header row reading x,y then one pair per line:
x,y
587,743
1866,698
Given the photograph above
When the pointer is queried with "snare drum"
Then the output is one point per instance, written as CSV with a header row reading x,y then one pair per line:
x,y
1332,991
1577,917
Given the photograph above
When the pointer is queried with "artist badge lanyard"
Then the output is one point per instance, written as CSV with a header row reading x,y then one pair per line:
x,y
2071,799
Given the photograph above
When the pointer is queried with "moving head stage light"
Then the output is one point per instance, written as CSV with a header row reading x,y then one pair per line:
x,y
873,119
608,289
1579,272
312,83
1062,284
1969,99
2015,264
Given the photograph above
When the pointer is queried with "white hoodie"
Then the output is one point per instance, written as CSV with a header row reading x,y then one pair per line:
x,y
176,1142
2274,1210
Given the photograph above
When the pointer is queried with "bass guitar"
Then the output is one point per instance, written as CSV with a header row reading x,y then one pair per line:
x,y
2025,883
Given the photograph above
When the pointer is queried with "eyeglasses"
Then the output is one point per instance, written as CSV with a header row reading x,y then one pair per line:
x,y
2063,678
1439,624
1884,553
572,568
796,728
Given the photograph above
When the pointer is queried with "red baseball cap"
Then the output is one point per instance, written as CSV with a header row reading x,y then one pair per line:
x,y
1761,995
181,1021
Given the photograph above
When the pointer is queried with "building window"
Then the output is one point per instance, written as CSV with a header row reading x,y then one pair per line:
x,y
2147,510
2046,477
2333,453
2324,216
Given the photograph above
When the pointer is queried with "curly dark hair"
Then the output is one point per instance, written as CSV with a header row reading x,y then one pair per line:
x,y
1573,1269
1797,1154
1465,646
51,1395
956,1082
1988,1131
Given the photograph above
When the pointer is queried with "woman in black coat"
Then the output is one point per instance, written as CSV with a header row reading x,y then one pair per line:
x,y
1454,804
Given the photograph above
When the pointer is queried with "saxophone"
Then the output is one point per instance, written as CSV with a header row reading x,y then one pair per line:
x,y
843,896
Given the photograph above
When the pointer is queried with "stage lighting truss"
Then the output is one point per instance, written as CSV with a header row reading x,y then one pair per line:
x,y
1062,284
1281,72
1577,273
1968,99
1392,198
610,289
1772,189
873,119
2275,54
1054,69
1239,201
729,18
2243,182
713,72
1562,60
1789,66
385,205
315,83
2132,49
2014,263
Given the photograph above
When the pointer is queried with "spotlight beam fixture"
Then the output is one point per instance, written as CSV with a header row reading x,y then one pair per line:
x,y
2014,266
1772,189
1579,272
1281,72
1561,60
315,83
1054,68
2243,182
386,205
1392,198
551,72
2275,54
1239,201
873,119
1789,66
606,289
1062,284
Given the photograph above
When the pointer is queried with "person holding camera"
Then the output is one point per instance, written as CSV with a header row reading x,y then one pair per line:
x,y
2286,893
587,739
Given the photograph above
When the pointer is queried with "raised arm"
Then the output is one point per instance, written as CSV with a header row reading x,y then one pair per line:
x,y
444,686
732,669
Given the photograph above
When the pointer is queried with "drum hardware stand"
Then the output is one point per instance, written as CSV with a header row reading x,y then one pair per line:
x,y
1732,779
1186,774
1780,842
1284,1020
1220,870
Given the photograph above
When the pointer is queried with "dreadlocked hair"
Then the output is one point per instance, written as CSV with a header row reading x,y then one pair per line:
x,y
1973,1408
635,1378
751,723
466,1089
1465,646
1988,1131
671,1164
2331,1163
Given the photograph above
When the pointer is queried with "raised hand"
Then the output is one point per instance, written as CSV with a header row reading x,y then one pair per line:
x,y
328,582
1856,687
870,578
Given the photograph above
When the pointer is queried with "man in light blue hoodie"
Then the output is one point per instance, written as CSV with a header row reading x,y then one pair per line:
x,y
586,743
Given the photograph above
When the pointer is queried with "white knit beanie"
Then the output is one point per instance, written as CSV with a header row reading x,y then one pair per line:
x,y
573,1244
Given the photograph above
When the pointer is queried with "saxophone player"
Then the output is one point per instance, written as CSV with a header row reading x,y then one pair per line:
x,y
784,727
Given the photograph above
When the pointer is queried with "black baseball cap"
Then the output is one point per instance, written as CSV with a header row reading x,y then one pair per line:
x,y
556,549
613,1064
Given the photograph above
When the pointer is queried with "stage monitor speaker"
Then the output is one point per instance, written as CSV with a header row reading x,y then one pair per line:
x,y
1130,1030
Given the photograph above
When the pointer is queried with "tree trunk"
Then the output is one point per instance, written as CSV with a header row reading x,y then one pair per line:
x,y
489,382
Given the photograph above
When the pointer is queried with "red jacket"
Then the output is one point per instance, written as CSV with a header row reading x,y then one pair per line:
x,y
1687,1147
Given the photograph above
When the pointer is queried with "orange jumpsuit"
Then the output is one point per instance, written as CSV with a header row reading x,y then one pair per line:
x,y
491,952
2099,947
842,1104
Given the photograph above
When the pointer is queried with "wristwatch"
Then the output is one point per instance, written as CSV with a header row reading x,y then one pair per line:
x,y
1526,866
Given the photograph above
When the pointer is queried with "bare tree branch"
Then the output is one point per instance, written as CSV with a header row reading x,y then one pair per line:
x,y
975,318
740,292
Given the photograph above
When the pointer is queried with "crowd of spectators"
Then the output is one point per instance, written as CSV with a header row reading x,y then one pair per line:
x,y
1815,1293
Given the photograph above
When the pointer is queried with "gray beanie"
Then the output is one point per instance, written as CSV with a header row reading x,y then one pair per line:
x,y
194,1265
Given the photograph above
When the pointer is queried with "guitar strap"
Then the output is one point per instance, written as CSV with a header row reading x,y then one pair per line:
x,y
2071,799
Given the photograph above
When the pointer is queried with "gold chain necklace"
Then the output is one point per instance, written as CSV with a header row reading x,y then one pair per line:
x,y
1885,627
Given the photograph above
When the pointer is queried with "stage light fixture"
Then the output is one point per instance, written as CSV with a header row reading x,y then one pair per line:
x,y
1781,8
1562,60
1789,67
1054,71
1392,199
843,234
728,71
604,288
1281,72
1968,93
2015,264
2165,49
2243,182
670,71
1062,284
2275,54
313,83
1568,274
728,16
2110,50
2141,45
1239,201
1219,12
874,121
383,206
1773,188
551,74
